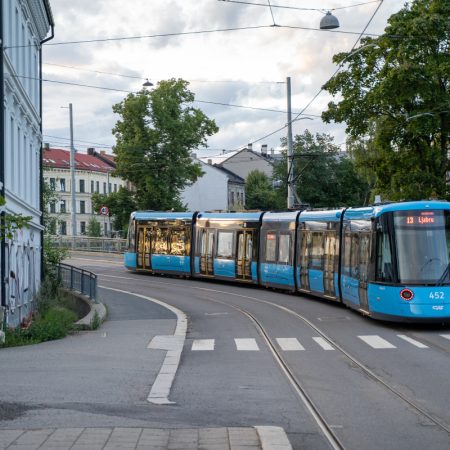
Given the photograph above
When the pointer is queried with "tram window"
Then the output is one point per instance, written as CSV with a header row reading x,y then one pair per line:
x,y
354,272
161,241
225,244
131,235
271,246
384,258
178,242
284,248
347,253
316,258
364,249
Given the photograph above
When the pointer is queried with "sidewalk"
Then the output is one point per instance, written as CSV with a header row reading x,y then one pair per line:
x,y
265,438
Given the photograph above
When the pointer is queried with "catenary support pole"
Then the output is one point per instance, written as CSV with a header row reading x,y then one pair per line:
x,y
290,151
73,186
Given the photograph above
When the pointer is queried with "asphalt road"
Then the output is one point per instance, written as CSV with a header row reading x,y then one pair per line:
x,y
393,396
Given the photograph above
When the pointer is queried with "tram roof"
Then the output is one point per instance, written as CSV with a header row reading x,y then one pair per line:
x,y
229,216
286,216
330,215
408,206
162,215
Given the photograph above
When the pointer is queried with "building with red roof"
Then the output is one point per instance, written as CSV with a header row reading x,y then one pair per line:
x,y
93,174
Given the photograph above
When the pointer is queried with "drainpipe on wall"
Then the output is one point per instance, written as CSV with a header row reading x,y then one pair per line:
x,y
2,159
41,172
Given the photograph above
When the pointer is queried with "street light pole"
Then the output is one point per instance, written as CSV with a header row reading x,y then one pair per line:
x,y
72,175
290,150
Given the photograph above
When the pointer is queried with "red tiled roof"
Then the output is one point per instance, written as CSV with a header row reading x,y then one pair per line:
x,y
58,158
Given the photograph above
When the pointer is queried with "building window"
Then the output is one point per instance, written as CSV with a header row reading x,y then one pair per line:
x,y
104,188
82,186
83,227
92,186
98,187
53,207
109,188
62,184
63,228
62,206
232,199
53,184
82,207
115,187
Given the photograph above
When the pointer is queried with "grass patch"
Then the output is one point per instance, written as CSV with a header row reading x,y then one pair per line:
x,y
54,318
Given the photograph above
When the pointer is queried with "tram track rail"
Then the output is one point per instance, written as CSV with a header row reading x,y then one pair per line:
x,y
317,415
356,363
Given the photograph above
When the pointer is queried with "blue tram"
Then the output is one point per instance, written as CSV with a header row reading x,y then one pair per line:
x,y
389,261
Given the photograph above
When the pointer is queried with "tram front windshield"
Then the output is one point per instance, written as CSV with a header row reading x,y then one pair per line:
x,y
423,246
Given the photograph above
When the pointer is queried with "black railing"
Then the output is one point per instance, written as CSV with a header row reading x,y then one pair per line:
x,y
79,280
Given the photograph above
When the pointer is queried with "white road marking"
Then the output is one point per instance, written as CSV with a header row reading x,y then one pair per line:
x,y
412,341
159,393
290,344
376,341
273,438
445,336
202,345
246,345
323,343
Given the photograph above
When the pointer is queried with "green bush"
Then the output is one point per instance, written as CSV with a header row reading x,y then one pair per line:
x,y
54,318
55,324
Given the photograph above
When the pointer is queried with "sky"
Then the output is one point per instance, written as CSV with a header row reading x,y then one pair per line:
x,y
246,67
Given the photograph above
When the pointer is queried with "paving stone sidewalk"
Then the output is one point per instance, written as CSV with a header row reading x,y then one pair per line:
x,y
265,438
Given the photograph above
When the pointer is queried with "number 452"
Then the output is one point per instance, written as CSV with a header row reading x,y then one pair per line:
x,y
438,295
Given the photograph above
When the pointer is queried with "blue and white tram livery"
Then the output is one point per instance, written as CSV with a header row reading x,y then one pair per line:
x,y
389,261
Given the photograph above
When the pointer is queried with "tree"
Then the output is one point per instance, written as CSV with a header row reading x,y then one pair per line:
x,y
120,204
94,228
396,100
155,135
324,178
260,194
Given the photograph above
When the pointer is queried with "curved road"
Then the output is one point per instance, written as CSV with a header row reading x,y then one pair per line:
x,y
328,376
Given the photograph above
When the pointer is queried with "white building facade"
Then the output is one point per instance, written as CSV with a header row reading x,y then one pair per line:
x,y
25,25
93,174
217,189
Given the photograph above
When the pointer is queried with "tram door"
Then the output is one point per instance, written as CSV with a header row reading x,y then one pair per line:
x,y
144,245
244,255
329,258
207,252
304,259
364,257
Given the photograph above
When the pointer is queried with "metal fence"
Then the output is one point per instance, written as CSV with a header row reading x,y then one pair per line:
x,y
90,244
79,280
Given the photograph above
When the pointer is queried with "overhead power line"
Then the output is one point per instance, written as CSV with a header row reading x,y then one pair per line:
x,y
186,33
297,7
131,92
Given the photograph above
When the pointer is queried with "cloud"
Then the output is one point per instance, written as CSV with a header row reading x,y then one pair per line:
x,y
252,64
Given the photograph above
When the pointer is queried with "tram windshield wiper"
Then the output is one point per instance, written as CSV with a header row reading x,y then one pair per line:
x,y
444,275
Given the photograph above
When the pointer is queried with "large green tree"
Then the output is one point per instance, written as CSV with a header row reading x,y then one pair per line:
x,y
395,99
324,177
155,135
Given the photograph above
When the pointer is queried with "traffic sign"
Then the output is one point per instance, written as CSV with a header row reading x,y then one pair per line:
x,y
104,211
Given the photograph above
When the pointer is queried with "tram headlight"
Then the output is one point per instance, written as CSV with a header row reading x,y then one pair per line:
x,y
407,294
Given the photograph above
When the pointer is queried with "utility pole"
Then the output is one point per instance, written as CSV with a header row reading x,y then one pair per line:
x,y
72,175
290,150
